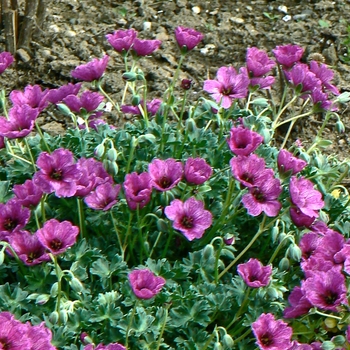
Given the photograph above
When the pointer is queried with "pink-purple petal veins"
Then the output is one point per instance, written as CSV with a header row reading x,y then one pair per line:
x,y
6,59
145,284
32,96
41,337
189,217
299,304
228,85
300,219
325,74
288,163
58,173
57,236
28,194
263,83
122,40
243,142
308,244
197,171
254,273
305,197
28,248
137,189
20,122
57,95
88,100
258,62
301,75
91,71
145,47
287,55
321,100
165,174
272,334
188,37
104,197
326,289
152,107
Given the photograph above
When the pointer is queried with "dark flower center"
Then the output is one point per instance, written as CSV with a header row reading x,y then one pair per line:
x,y
55,244
247,178
164,182
10,224
266,339
253,278
258,195
226,91
330,298
4,344
32,256
56,174
187,222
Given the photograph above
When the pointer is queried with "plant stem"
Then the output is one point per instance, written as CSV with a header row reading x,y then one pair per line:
x,y
117,232
163,327
81,217
30,153
129,325
42,136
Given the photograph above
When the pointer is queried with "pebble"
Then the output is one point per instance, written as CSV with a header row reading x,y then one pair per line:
x,y
147,26
54,28
237,20
283,9
287,18
196,10
70,34
24,56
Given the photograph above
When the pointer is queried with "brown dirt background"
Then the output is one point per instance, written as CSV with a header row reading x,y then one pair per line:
x,y
74,32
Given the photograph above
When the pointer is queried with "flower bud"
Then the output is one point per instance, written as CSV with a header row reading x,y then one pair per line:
x,y
100,150
284,264
63,315
186,84
2,256
42,299
330,322
53,318
112,154
339,126
228,341
218,346
64,109
294,252
208,251
129,76
191,125
76,285
135,100
162,225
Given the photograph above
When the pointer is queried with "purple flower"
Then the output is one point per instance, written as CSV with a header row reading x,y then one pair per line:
x,y
325,74
20,123
5,60
263,198
189,217
91,71
300,305
254,274
58,173
301,75
299,219
88,100
28,248
138,189
122,40
188,37
308,244
32,96
165,174
305,197
288,164
113,346
145,47
326,290
28,194
271,334
320,100
228,86
40,337
145,284
104,197
13,217
57,236
197,171
263,83
248,170
258,62
243,141
57,95
287,55
152,107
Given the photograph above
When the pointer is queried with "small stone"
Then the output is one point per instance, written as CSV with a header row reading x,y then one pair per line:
x,y
283,9
70,34
237,20
196,10
287,18
23,55
147,26
54,28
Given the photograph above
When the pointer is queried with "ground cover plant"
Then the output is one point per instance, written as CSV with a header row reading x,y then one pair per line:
x,y
189,228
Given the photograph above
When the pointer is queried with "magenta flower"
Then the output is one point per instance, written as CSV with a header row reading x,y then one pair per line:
x,y
258,62
145,284
263,197
301,75
288,164
165,174
254,274
138,189
122,40
57,236
189,217
300,219
326,290
300,305
91,71
145,47
6,59
271,334
305,197
320,100
263,82
188,37
58,173
308,244
228,86
40,336
248,170
32,96
28,194
20,123
325,74
287,55
88,100
152,107
243,142
13,217
113,346
57,95
104,197
197,171
28,248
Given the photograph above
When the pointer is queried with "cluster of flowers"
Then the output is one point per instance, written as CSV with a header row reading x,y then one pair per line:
x,y
311,81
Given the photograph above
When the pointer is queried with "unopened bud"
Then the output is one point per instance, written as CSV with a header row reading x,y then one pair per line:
x,y
100,150
186,84
76,285
208,251
53,318
129,76
135,100
191,125
228,341
112,154
339,126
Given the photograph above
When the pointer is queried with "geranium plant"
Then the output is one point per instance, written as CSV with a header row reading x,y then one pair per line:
x,y
190,227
